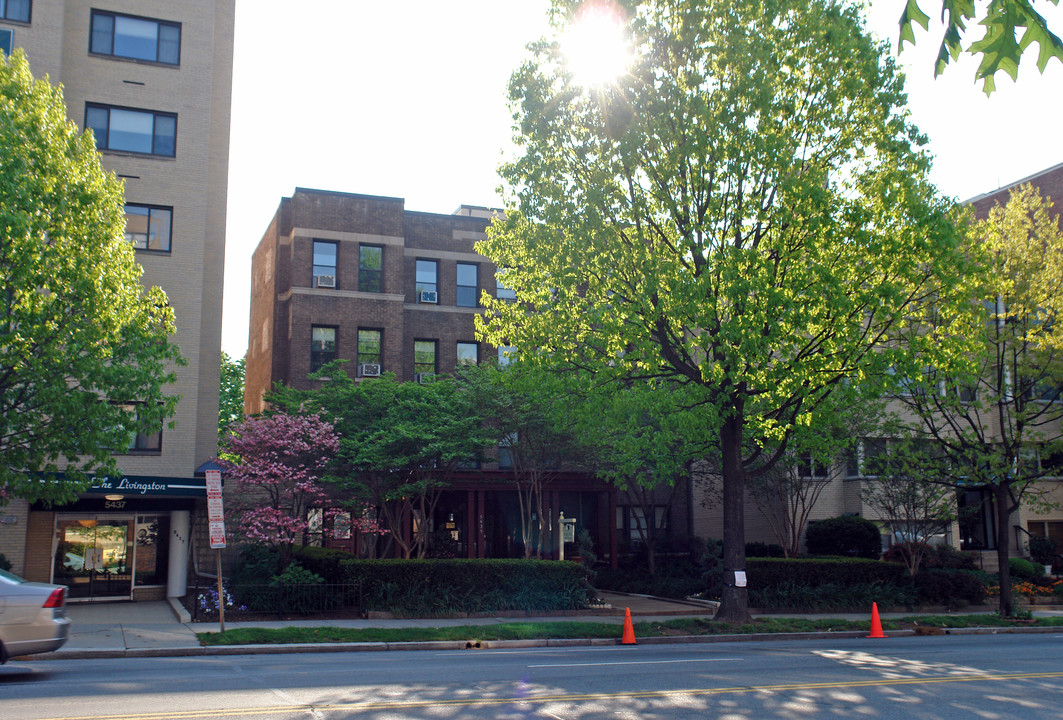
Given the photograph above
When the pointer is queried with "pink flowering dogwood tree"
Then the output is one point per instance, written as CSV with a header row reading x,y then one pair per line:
x,y
276,472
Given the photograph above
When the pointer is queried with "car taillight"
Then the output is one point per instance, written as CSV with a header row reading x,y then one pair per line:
x,y
57,599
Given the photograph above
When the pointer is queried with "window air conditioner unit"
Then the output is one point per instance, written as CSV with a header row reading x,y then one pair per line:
x,y
369,370
326,281
422,378
430,296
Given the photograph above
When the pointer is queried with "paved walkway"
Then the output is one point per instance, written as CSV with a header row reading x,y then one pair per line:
x,y
163,628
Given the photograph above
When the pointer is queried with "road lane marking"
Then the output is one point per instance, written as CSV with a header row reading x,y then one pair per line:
x,y
639,662
537,699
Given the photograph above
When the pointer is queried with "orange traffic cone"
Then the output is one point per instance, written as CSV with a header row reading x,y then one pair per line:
x,y
629,629
876,624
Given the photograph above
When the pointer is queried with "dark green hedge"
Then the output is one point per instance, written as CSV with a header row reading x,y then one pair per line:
x,y
763,573
450,586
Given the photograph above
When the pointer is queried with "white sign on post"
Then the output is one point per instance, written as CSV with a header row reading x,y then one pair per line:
x,y
215,512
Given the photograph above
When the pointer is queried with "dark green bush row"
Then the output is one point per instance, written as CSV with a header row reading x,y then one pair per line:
x,y
425,587
948,587
671,581
848,535
830,596
768,572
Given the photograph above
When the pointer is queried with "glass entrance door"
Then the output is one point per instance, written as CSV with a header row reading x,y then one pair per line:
x,y
94,557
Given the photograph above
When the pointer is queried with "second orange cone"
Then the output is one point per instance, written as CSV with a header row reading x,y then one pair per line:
x,y
876,624
629,629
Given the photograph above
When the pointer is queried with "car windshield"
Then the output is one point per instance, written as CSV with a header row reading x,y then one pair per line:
x,y
11,576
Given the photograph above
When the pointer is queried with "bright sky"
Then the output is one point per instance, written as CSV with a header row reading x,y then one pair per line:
x,y
406,98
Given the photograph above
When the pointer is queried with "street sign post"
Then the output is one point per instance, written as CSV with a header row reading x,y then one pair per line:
x,y
216,525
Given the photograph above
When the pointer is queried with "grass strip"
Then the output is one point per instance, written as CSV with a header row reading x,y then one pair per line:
x,y
531,630
528,630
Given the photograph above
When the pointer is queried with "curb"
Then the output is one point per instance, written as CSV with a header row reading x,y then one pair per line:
x,y
473,644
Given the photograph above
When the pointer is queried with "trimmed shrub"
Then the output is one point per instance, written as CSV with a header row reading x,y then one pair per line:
x,y
944,557
769,572
955,588
323,561
1024,569
450,586
760,549
830,596
846,536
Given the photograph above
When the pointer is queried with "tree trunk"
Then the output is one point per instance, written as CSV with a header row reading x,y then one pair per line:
x,y
734,605
1001,500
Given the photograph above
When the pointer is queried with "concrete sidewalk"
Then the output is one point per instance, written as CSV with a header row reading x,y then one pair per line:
x,y
157,629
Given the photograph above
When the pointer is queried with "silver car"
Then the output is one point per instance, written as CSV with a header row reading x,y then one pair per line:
x,y
32,617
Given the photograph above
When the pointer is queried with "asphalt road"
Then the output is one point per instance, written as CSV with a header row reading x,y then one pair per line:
x,y
982,676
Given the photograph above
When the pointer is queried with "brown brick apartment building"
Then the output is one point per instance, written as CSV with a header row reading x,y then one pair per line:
x,y
153,80
360,278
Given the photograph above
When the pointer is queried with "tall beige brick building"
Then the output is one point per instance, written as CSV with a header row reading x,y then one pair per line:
x,y
153,80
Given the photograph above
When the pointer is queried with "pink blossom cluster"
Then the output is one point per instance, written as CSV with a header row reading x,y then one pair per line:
x,y
276,477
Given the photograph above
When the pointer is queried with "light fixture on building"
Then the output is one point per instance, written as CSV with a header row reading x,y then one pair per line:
x,y
113,497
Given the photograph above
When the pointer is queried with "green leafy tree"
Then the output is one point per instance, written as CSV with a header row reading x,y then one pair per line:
x,y
81,340
998,420
744,212
231,395
905,488
998,46
527,414
815,457
400,444
641,437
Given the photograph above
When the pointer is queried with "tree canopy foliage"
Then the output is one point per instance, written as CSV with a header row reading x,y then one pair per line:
x,y
399,443
230,395
84,348
997,420
999,47
745,211
278,463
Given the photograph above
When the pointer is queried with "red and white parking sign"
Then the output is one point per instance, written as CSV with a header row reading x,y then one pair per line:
x,y
215,513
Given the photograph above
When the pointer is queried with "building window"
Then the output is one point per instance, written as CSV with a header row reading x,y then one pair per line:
x,y
505,451
502,291
322,346
370,268
424,357
369,344
810,468
506,353
7,40
324,264
468,353
138,131
468,294
135,38
142,443
148,227
427,273
17,10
